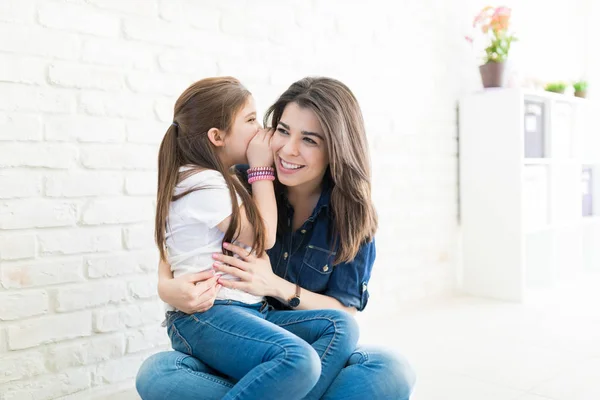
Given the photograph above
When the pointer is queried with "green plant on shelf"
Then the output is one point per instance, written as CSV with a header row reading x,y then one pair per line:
x,y
580,86
555,87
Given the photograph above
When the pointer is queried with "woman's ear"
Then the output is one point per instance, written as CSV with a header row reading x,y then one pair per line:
x,y
216,137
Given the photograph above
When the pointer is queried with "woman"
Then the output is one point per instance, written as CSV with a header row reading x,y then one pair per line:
x,y
323,255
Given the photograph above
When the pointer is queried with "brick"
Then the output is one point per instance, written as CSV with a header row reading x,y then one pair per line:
x,y
79,184
19,69
36,213
159,32
20,183
112,265
79,240
49,329
47,387
41,273
77,18
164,110
23,98
248,73
122,318
85,351
244,25
17,11
84,129
21,365
117,53
57,156
127,156
180,61
122,105
149,9
118,370
146,338
118,210
141,183
143,287
82,296
148,260
84,77
140,236
32,40
157,83
22,304
17,246
194,14
150,132
20,127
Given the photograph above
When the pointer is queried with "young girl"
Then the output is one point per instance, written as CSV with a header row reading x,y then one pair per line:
x,y
199,214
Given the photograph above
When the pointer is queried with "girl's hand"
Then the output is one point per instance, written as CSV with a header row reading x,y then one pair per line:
x,y
255,273
190,293
259,151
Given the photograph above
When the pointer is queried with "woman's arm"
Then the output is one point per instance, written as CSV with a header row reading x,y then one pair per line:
x,y
188,293
257,278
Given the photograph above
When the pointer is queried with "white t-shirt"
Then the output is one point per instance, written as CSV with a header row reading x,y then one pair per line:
x,y
192,235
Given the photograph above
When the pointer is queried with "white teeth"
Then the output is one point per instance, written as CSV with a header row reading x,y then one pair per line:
x,y
287,165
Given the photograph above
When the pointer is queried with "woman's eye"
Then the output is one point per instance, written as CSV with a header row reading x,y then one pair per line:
x,y
282,131
252,120
309,141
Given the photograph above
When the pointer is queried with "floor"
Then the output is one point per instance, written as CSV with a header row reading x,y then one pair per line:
x,y
476,349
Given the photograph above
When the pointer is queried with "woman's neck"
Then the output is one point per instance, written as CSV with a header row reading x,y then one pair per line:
x,y
304,195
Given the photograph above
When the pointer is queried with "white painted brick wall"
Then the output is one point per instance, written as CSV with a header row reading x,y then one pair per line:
x,y
87,89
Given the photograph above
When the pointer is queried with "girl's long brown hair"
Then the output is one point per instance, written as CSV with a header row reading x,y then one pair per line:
x,y
209,103
340,117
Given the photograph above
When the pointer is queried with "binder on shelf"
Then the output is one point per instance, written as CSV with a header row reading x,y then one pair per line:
x,y
586,191
535,196
534,129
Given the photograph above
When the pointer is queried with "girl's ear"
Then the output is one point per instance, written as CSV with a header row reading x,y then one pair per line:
x,y
216,137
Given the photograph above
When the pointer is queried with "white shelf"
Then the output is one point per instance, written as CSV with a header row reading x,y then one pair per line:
x,y
521,217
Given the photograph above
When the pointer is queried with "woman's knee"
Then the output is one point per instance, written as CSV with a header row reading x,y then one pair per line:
x,y
395,372
345,326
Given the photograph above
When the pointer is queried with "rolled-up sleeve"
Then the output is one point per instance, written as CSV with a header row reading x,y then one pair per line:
x,y
349,281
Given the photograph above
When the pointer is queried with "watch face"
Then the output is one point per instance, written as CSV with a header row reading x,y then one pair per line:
x,y
295,302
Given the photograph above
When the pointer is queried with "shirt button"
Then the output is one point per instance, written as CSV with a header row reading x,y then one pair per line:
x,y
285,255
303,231
325,268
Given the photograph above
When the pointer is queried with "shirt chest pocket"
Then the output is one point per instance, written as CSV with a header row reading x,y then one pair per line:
x,y
316,268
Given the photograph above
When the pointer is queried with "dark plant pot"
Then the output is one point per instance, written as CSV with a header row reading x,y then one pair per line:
x,y
493,74
581,93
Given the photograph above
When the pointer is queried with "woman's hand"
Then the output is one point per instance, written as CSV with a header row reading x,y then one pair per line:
x,y
255,273
190,293
259,151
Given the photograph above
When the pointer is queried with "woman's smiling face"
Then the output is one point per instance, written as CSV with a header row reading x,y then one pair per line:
x,y
299,147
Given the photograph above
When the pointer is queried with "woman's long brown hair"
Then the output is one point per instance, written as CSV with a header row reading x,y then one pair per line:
x,y
206,104
340,117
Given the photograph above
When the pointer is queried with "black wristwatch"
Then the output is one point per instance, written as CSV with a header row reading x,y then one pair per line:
x,y
295,301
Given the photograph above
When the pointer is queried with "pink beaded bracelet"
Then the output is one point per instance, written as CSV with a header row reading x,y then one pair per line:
x,y
261,178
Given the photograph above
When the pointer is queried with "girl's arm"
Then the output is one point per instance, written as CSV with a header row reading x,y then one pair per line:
x,y
263,193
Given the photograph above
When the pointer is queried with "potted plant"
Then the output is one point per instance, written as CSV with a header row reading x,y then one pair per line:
x,y
555,87
580,88
494,24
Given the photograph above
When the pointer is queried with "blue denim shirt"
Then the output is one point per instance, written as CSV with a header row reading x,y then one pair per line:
x,y
305,256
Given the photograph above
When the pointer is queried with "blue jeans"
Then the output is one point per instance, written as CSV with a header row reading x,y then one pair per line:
x,y
366,374
261,350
